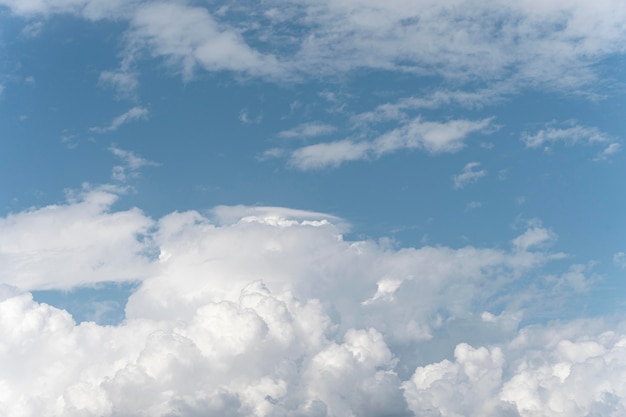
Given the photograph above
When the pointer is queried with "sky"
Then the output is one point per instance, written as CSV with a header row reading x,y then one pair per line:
x,y
312,208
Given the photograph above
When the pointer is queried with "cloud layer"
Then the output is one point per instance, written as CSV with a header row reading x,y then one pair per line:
x,y
268,311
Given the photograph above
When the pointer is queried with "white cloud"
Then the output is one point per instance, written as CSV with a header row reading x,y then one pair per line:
x,y
473,205
267,311
573,135
570,136
132,163
619,259
79,242
611,149
433,137
328,155
534,236
469,175
553,45
190,37
307,130
32,30
136,113
124,82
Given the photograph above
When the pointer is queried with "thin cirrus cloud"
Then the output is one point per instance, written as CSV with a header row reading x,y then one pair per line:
x,y
307,130
433,137
131,164
136,113
571,135
469,175
268,311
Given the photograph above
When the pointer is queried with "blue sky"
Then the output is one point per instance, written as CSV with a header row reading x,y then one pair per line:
x,y
431,182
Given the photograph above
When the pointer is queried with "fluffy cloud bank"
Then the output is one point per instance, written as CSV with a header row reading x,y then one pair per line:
x,y
263,311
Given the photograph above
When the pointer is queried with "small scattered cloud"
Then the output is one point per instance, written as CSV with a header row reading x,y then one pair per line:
x,y
132,163
611,149
473,205
328,155
535,236
272,154
469,175
433,137
307,130
32,30
123,82
244,117
136,113
619,260
573,134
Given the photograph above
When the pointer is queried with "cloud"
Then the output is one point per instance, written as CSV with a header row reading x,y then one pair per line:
x,y
619,259
469,175
190,37
328,155
534,236
79,242
269,311
307,130
573,135
136,113
433,137
124,82
606,153
553,45
132,163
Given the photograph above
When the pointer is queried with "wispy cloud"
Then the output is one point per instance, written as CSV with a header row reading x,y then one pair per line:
x,y
573,134
469,175
307,130
136,113
131,164
433,137
123,82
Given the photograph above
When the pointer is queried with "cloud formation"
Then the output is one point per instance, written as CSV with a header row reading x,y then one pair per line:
x,y
573,135
550,44
136,113
268,311
433,137
470,174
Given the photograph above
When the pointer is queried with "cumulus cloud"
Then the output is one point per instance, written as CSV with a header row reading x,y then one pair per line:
x,y
433,137
268,311
470,174
136,113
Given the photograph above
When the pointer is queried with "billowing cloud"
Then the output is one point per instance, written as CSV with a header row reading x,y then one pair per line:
x,y
433,137
266,311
